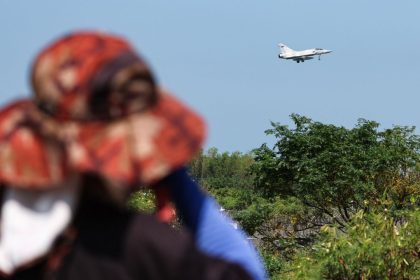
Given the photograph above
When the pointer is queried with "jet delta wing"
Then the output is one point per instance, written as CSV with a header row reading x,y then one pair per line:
x,y
300,56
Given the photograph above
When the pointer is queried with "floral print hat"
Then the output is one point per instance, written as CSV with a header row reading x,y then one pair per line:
x,y
96,108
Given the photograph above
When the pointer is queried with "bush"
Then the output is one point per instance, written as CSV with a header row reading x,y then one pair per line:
x,y
375,246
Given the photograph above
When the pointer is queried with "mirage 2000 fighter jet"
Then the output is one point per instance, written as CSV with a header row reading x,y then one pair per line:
x,y
300,56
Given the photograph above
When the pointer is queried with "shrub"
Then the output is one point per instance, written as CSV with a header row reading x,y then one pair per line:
x,y
375,246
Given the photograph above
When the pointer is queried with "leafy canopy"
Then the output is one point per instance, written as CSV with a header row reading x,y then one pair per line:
x,y
334,169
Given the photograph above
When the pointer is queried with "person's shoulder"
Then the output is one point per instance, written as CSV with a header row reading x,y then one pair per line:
x,y
146,228
156,248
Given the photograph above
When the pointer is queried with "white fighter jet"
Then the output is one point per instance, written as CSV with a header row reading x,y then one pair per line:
x,y
300,56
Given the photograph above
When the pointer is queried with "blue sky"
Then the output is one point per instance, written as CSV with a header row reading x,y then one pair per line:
x,y
220,57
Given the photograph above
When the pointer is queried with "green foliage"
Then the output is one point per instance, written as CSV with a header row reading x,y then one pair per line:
x,y
334,169
254,215
273,262
325,202
222,170
227,177
375,246
142,200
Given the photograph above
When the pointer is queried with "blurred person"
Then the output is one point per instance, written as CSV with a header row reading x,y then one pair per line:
x,y
97,128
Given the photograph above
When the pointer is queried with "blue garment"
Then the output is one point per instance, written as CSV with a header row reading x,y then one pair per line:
x,y
187,196
213,231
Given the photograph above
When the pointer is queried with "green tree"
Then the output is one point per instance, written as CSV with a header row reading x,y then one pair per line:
x,y
227,177
336,170
221,170
375,246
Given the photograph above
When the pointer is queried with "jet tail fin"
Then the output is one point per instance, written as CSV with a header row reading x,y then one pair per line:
x,y
285,49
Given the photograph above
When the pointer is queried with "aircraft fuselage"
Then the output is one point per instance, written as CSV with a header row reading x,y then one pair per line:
x,y
300,56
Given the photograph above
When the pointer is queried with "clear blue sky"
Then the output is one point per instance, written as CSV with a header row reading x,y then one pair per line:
x,y
220,57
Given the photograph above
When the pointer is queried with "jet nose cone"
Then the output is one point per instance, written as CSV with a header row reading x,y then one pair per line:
x,y
327,51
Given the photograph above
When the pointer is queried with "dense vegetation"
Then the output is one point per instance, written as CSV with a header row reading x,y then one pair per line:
x,y
325,202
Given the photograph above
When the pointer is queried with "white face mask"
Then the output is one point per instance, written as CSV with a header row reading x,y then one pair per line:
x,y
31,221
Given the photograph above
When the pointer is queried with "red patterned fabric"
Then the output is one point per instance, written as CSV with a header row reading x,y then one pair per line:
x,y
96,108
